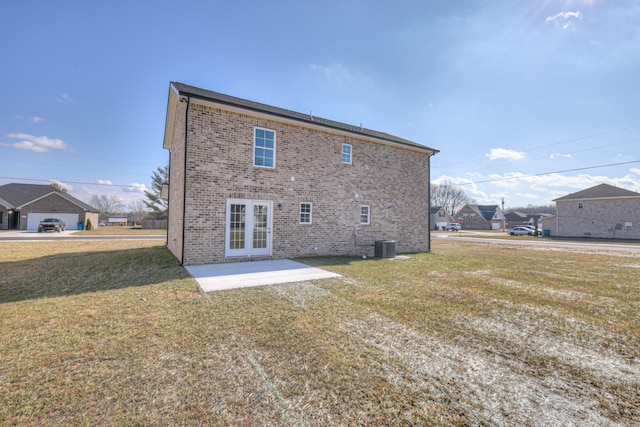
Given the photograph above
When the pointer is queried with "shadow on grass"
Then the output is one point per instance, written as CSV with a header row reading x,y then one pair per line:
x,y
77,273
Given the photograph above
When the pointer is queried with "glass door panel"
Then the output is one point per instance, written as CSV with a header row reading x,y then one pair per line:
x,y
248,229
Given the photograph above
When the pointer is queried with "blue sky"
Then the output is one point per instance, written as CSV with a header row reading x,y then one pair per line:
x,y
526,100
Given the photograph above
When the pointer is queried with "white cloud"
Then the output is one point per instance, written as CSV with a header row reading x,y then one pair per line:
x,y
36,119
135,188
64,98
560,155
37,144
104,182
333,72
564,15
564,20
519,189
503,153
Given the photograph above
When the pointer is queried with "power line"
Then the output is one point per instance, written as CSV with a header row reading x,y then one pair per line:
x,y
566,141
546,157
67,182
546,173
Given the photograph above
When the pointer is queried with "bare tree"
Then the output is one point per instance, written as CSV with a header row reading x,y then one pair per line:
x,y
138,210
107,205
449,196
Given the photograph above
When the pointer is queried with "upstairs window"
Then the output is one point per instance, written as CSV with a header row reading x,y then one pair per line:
x,y
305,213
365,216
346,154
264,148
580,205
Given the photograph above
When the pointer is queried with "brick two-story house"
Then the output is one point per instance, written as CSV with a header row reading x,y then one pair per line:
x,y
480,217
603,211
253,181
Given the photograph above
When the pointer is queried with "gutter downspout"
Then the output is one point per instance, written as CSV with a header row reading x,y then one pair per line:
x,y
429,205
184,183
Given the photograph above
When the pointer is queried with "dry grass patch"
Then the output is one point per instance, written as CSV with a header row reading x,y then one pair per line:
x,y
473,334
121,231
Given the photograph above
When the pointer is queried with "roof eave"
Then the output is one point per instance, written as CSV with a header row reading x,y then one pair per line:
x,y
293,117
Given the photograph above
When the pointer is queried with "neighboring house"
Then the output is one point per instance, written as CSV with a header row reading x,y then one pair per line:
x,y
515,218
480,217
23,206
253,181
439,217
118,221
603,211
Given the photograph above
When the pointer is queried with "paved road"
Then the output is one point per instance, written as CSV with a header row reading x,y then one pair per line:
x,y
543,242
16,236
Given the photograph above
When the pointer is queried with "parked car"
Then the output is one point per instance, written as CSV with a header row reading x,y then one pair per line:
x,y
532,228
520,231
453,226
53,224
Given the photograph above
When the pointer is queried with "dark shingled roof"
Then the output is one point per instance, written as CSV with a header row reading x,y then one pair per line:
x,y
21,194
434,209
602,191
488,211
220,98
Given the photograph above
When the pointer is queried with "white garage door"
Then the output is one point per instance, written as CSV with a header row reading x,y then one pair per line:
x,y
70,220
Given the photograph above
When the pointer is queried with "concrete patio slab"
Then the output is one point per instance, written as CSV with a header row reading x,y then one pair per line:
x,y
216,277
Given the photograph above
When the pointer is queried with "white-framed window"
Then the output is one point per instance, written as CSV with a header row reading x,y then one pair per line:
x,y
305,213
264,147
346,154
628,225
365,214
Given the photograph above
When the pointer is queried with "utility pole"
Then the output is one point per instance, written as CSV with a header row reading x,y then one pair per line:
x,y
504,220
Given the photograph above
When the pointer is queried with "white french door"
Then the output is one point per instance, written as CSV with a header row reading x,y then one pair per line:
x,y
248,228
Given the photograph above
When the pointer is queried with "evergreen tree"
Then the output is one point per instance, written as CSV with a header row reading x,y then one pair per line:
x,y
155,202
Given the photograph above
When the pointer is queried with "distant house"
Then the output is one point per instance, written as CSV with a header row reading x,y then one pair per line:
x,y
252,181
603,211
480,217
439,217
516,218
23,206
118,220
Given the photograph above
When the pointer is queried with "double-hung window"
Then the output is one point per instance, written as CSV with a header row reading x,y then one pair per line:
x,y
365,215
305,213
346,154
264,148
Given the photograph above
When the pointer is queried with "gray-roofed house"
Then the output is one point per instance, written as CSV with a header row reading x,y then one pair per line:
x,y
440,218
251,181
23,206
603,211
480,217
515,218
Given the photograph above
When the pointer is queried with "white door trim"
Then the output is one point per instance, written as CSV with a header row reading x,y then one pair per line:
x,y
248,228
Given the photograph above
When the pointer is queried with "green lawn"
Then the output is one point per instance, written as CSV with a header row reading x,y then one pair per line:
x,y
116,333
